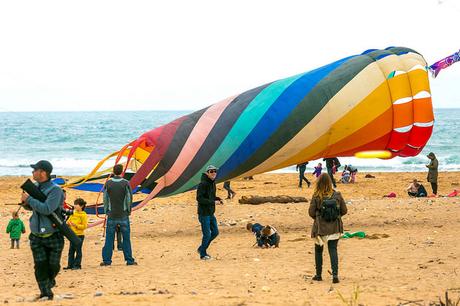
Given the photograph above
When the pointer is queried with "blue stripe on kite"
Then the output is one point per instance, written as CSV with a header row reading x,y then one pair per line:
x,y
59,181
93,187
98,187
277,113
368,51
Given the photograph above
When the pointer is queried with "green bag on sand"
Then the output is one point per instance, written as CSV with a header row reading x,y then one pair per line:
x,y
353,234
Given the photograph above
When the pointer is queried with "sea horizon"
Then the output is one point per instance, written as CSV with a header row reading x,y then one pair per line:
x,y
75,141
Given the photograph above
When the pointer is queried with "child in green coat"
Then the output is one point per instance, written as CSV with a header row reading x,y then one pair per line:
x,y
15,228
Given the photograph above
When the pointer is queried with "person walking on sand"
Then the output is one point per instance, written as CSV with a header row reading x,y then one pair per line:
x,y
326,209
332,165
301,168
433,173
230,193
118,198
46,242
207,200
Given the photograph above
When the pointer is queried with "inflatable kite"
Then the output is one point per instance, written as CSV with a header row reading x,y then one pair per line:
x,y
444,63
378,100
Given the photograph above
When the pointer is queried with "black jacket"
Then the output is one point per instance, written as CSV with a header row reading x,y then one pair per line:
x,y
206,196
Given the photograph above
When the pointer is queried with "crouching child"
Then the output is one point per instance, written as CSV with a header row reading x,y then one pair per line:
x,y
256,229
270,237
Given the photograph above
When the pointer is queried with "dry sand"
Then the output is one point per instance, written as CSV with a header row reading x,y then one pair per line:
x,y
414,255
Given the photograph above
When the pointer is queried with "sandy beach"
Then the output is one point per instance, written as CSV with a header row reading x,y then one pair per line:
x,y
411,253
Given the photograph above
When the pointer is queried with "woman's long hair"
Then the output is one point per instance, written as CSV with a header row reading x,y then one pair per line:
x,y
323,188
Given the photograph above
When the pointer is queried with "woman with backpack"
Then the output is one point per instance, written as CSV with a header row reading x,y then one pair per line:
x,y
326,209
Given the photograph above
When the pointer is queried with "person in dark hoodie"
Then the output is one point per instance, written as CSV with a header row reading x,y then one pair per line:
x,y
433,173
207,200
46,242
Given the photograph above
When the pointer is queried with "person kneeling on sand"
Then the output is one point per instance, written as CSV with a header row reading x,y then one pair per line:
x,y
256,229
416,189
270,237
326,209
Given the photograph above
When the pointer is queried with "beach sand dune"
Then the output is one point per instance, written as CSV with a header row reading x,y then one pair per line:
x,y
412,252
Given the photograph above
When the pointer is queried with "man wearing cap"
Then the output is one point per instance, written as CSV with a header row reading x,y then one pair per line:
x,y
207,200
46,241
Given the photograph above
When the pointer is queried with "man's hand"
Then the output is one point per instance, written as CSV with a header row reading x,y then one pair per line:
x,y
24,197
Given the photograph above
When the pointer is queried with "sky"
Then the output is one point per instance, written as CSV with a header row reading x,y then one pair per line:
x,y
185,55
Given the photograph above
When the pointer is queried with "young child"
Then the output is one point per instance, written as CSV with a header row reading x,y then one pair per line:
x,y
270,237
15,228
256,229
78,222
318,170
346,176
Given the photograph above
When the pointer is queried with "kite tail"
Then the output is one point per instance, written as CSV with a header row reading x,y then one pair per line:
x,y
444,63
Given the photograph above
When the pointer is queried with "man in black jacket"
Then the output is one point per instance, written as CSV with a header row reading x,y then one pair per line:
x,y
207,200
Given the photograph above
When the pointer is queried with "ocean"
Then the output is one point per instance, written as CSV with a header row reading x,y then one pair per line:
x,y
75,141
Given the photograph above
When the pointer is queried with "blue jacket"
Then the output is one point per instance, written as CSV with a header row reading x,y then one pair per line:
x,y
39,222
257,230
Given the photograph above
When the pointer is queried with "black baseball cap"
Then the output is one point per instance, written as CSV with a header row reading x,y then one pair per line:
x,y
43,165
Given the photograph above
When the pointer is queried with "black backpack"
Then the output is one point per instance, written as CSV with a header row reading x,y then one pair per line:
x,y
329,210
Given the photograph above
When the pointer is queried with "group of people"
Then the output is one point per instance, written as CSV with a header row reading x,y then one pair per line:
x,y
47,242
332,166
327,207
416,189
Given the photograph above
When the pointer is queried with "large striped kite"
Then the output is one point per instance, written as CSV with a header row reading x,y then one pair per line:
x,y
378,100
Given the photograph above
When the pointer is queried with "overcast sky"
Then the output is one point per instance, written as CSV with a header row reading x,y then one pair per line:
x,y
185,55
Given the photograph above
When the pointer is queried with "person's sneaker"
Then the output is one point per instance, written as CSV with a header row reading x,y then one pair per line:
x,y
205,257
317,278
76,268
67,268
103,264
131,263
335,280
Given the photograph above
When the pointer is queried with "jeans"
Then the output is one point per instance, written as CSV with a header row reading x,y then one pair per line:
x,y
332,248
302,177
75,254
331,175
107,250
210,231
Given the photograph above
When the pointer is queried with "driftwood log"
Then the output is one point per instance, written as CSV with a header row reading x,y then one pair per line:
x,y
255,200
